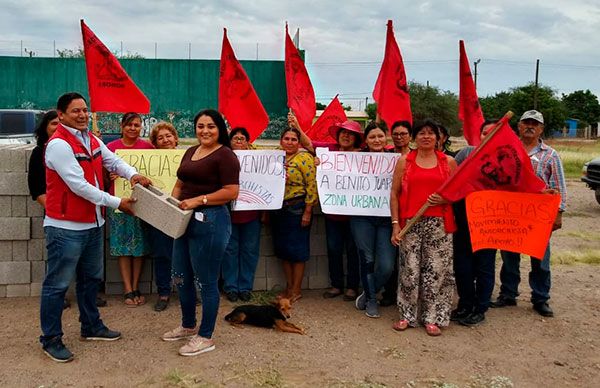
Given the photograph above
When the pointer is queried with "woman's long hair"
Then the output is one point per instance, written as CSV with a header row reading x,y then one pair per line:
x,y
41,134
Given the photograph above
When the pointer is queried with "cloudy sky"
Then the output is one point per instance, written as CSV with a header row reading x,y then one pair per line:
x,y
344,40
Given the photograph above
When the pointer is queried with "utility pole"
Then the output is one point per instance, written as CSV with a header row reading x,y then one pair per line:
x,y
475,73
535,89
155,50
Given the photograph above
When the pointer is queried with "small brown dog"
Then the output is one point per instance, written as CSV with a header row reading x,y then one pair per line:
x,y
274,315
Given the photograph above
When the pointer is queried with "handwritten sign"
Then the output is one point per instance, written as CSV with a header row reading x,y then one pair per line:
x,y
518,222
158,165
262,180
355,183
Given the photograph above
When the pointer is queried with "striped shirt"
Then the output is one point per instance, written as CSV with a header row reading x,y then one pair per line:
x,y
547,165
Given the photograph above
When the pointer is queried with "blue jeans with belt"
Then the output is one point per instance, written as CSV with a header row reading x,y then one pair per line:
x,y
197,257
539,276
375,251
71,253
241,257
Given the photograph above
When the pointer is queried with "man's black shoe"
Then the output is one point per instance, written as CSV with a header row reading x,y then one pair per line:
x,y
503,301
56,350
100,302
231,296
104,334
543,309
459,313
161,304
385,301
472,319
245,296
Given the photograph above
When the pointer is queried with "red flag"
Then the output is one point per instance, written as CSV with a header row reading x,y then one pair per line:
x,y
109,86
238,100
333,114
300,93
469,110
391,89
499,163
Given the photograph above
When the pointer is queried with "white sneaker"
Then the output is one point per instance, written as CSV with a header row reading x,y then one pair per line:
x,y
197,345
179,333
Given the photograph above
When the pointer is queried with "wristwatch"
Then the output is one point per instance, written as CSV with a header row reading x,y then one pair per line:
x,y
204,200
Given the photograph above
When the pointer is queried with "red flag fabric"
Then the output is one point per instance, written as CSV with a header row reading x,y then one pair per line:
x,y
333,114
238,100
109,86
499,163
300,93
469,110
391,89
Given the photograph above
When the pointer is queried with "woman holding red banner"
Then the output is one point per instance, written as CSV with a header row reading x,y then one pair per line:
x,y
426,281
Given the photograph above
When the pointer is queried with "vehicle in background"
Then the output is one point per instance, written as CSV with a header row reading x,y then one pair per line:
x,y
17,126
591,176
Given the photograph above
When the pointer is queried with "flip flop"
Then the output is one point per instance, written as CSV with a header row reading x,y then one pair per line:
x,y
332,293
141,299
129,299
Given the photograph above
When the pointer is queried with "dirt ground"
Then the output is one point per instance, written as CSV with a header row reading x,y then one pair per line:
x,y
342,348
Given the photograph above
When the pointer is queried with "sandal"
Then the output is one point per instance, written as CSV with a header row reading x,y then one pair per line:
x,y
140,299
400,325
350,295
332,293
432,330
296,297
129,299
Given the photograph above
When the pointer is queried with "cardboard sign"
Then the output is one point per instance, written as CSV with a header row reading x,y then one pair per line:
x,y
355,183
517,222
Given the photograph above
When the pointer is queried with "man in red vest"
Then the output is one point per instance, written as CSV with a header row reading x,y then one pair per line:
x,y
73,224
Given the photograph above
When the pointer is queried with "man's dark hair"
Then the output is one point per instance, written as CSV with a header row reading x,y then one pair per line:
x,y
63,101
425,123
402,123
219,122
241,130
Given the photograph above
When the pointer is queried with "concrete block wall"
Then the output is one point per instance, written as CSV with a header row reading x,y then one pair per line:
x,y
23,252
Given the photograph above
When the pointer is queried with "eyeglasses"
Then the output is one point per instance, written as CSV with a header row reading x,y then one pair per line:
x,y
238,138
401,134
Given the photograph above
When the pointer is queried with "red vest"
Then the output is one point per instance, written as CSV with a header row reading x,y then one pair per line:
x,y
61,202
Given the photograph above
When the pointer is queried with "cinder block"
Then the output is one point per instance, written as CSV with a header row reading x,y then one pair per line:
x,y
19,250
111,288
34,209
317,282
160,210
2,291
266,245
6,251
111,271
15,228
260,284
13,183
15,272
38,270
37,227
261,268
35,289
14,290
5,205
19,206
14,158
35,249
318,245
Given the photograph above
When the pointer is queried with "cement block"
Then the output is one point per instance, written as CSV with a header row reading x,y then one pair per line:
x,y
6,251
19,250
37,227
13,183
266,245
112,288
318,245
14,290
111,271
260,284
15,228
261,268
19,206
38,271
35,289
35,249
15,272
5,206
2,291
317,282
13,159
160,210
34,209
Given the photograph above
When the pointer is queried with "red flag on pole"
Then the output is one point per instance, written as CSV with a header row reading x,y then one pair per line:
x,y
300,93
333,114
469,110
238,100
109,86
391,89
500,162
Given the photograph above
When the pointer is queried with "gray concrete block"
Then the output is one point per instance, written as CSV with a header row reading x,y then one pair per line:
x,y
14,159
111,271
15,290
19,206
38,271
260,284
19,250
318,245
35,249
266,245
37,227
15,272
34,209
6,251
13,183
35,289
5,206
113,288
15,228
317,282
2,291
261,268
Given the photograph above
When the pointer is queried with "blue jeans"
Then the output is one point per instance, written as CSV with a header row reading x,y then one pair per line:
x,y
197,259
162,251
539,276
71,253
375,251
241,257
339,238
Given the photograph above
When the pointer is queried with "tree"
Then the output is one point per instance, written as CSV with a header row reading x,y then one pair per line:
x,y
371,110
439,105
582,105
78,53
321,106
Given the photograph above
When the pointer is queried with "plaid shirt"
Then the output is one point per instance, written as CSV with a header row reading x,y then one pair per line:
x,y
547,165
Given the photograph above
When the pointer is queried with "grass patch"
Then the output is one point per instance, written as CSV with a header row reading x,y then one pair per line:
x,y
265,297
179,379
474,382
392,352
585,236
366,383
574,154
591,256
261,377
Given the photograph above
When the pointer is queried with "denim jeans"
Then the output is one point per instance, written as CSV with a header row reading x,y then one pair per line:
x,y
474,273
375,251
197,259
161,253
339,238
241,257
539,276
71,253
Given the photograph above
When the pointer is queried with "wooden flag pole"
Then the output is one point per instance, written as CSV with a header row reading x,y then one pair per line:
x,y
426,205
95,129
